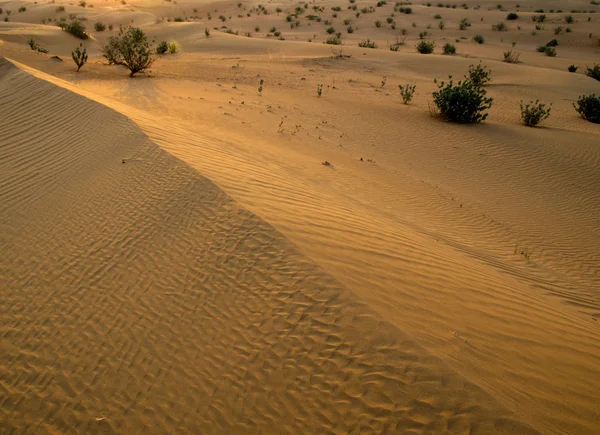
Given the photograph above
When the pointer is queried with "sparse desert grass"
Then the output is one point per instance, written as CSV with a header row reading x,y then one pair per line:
x,y
99,26
588,106
130,49
36,47
479,39
511,56
534,112
162,47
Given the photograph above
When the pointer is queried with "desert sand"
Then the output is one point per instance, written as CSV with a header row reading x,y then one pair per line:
x,y
183,254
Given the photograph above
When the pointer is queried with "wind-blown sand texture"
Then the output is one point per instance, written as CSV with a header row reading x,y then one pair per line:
x,y
175,258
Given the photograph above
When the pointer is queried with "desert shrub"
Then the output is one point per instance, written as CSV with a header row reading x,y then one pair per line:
x,y
572,68
512,16
534,112
479,75
593,72
424,34
449,49
541,49
99,26
479,39
222,18
162,47
22,9
588,106
367,43
464,23
130,49
550,51
557,30
569,19
500,27
330,30
511,56
425,47
173,47
36,47
463,102
406,10
377,23
79,57
1,11
350,29
538,18
406,92
333,40
75,28
552,43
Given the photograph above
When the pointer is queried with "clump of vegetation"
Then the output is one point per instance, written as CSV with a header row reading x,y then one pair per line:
x,y
511,56
173,47
162,47
512,16
538,18
207,32
377,23
319,90
552,43
593,72
534,112
569,19
36,47
99,26
463,102
330,30
75,28
557,30
550,51
500,27
333,40
130,49
479,74
79,57
406,92
425,47
449,48
464,23
260,86
478,39
572,68
367,43
588,106
60,9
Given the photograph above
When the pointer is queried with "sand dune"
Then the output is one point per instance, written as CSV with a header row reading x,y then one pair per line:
x,y
435,278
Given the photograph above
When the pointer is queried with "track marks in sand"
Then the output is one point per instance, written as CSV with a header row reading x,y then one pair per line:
x,y
138,296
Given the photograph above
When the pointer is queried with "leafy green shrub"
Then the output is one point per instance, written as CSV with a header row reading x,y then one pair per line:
x,y
99,27
534,112
479,39
79,57
479,75
207,32
572,68
330,30
463,102
512,16
333,40
367,43
162,47
75,28
406,92
22,9
552,43
511,56
557,30
588,106
425,47
449,49
550,51
377,23
541,49
130,49
593,72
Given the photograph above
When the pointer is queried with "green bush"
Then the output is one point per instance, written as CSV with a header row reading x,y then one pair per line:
x,y
593,72
479,39
534,112
512,16
99,27
162,47
75,28
588,106
330,30
333,40
552,43
463,102
377,23
367,43
425,47
449,49
538,18
572,68
130,49
406,92
479,75
550,51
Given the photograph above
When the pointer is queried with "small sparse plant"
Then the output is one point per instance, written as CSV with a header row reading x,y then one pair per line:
x,y
479,75
534,112
173,47
449,48
99,27
367,43
207,32
572,68
75,28
500,27
479,39
550,51
319,90
464,23
557,30
60,9
377,23
130,49
406,92
79,57
162,47
463,102
425,47
588,106
22,9
333,40
260,86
